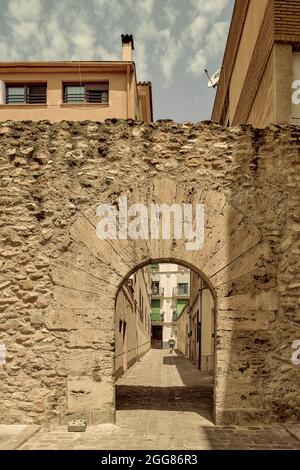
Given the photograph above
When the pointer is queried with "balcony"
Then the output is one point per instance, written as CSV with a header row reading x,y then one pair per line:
x,y
181,291
157,291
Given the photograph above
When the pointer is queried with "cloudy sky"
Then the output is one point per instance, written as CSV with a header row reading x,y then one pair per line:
x,y
174,41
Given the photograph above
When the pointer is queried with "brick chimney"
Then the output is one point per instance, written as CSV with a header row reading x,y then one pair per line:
x,y
127,47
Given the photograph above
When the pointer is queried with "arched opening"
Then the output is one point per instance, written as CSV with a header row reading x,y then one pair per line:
x,y
161,302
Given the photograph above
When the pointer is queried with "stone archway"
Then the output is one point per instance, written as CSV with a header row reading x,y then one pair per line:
x,y
144,340
59,281
88,277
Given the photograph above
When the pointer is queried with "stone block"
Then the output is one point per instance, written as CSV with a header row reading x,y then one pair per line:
x,y
37,318
79,425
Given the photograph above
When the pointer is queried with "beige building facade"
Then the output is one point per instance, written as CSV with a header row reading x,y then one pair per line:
x,y
75,91
133,323
181,327
195,326
261,65
170,293
201,332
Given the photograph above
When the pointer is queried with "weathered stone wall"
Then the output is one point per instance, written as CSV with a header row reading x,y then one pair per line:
x,y
59,281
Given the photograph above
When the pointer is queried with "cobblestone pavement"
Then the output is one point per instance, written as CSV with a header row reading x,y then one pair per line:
x,y
164,402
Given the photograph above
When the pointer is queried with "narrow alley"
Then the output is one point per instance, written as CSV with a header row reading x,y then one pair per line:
x,y
164,402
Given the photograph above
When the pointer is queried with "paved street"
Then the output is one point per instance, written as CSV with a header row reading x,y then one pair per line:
x,y
165,403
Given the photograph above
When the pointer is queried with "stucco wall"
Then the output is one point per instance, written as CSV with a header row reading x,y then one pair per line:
x,y
59,281
254,18
272,101
207,330
123,94
132,345
56,110
181,328
263,110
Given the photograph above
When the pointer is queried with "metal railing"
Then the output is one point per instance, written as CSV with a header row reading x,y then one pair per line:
x,y
157,291
33,98
88,96
181,291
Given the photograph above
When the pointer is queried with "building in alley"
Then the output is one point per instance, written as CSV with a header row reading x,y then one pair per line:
x,y
194,325
75,90
260,76
170,293
133,323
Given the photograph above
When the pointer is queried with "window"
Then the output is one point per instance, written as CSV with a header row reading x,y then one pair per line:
x,y
183,288
180,305
76,93
155,288
32,93
155,310
154,267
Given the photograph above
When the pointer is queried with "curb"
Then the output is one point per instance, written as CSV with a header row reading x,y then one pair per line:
x,y
15,442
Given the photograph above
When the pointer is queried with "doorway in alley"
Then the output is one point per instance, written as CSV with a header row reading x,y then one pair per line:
x,y
155,302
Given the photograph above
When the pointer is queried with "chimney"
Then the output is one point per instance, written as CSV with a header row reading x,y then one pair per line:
x,y
127,47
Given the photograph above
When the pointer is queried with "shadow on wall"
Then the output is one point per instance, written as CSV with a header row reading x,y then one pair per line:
x,y
252,335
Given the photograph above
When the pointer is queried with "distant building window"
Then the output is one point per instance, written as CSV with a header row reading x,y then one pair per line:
x,y
155,287
183,288
155,310
77,93
154,267
31,93
180,305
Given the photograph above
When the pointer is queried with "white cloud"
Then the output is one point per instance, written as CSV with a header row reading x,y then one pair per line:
x,y
83,40
205,35
145,7
107,9
195,32
210,7
24,9
23,30
168,50
171,13
166,32
197,63
216,38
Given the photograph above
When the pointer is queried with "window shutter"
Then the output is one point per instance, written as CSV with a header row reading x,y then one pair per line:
x,y
15,94
37,94
97,92
74,93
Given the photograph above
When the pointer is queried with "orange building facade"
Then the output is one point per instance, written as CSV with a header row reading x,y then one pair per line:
x,y
75,91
